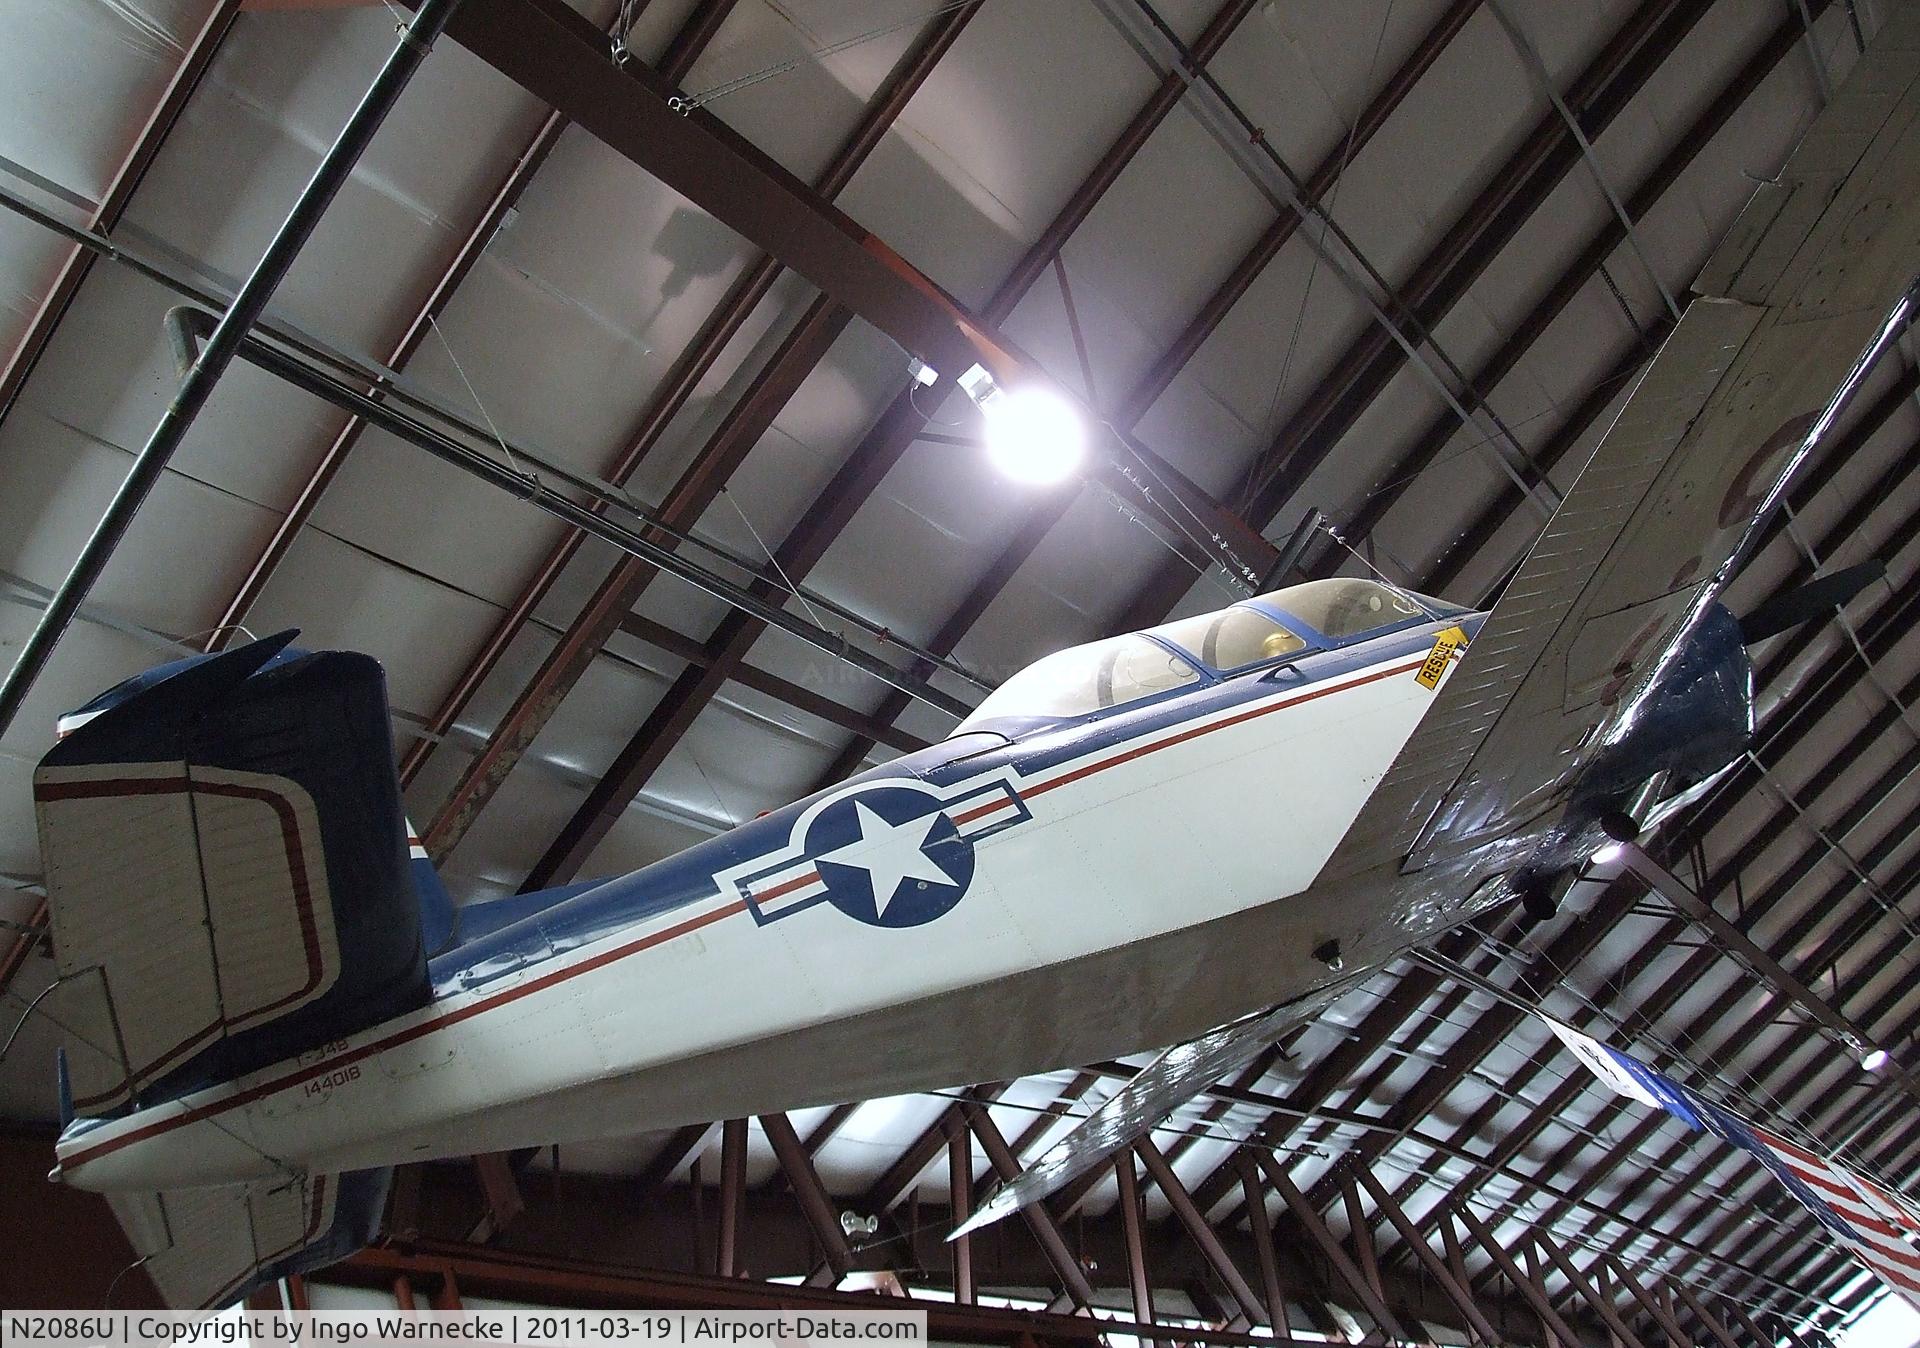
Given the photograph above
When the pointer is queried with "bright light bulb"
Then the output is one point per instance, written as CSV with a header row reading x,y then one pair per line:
x,y
1875,1060
1607,853
1034,434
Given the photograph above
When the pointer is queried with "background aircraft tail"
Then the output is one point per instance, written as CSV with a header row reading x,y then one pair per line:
x,y
1878,1227
229,874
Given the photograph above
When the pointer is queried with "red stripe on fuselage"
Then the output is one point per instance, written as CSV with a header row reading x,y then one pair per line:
x,y
1254,713
405,1036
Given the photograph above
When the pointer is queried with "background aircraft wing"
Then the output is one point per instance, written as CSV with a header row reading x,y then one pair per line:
x,y
1750,378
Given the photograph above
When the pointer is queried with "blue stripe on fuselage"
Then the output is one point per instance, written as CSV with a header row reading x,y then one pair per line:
x,y
686,878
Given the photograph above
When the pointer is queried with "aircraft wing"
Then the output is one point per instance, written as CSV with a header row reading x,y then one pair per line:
x,y
1162,1086
1815,273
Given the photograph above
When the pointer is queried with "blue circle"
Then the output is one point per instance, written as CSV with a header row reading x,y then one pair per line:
x,y
914,901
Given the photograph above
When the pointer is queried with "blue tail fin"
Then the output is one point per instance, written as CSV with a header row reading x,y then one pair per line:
x,y
228,870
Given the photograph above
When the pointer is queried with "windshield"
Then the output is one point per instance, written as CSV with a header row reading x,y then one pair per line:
x,y
1085,679
1343,608
1231,639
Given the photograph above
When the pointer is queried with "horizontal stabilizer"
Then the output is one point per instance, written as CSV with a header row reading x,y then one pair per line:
x,y
206,1248
1808,288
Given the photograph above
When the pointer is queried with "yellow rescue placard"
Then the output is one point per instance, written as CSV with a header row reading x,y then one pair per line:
x,y
1445,646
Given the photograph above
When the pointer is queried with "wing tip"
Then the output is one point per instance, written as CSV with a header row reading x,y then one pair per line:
x,y
997,1206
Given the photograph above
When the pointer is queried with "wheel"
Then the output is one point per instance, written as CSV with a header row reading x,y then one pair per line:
x,y
1537,902
1620,826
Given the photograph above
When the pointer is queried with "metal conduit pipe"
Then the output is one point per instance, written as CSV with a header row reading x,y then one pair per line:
x,y
186,326
181,336
415,41
377,378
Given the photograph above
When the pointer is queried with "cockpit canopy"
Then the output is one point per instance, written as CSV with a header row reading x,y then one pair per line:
x,y
1268,629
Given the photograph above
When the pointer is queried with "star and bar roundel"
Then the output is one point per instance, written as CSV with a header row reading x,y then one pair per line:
x,y
891,853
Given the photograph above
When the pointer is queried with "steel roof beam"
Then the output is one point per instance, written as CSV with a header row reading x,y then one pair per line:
x,y
1467,547
698,486
1530,1258
733,1196
822,1133
1272,1290
1440,432
1047,512
1528,1288
223,343
675,643
1139,1287
575,1283
1712,1322
694,364
1435,1266
1199,1232
815,1203
1331,1072
960,1207
1449,1148
1560,1098
551,52
1360,1234
804,346
501,1192
897,1180
1071,1278
600,1213
1832,1106
1336,1255
860,475
1756,1337
1661,1316
1672,889
1447,271
673,1154
1646,1128
684,49
195,61
1444,275
1222,1098
1247,1078
1166,367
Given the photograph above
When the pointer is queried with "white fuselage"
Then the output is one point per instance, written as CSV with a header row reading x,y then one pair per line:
x,y
1079,936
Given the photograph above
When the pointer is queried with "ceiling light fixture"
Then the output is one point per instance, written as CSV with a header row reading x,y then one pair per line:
x,y
1874,1060
1032,433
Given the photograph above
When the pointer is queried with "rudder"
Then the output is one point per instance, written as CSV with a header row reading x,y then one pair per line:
x,y
227,870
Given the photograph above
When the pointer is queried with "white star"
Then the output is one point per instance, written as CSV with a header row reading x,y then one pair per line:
x,y
890,854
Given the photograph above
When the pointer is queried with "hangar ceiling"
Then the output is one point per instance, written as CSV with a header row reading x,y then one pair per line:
x,y
1523,193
